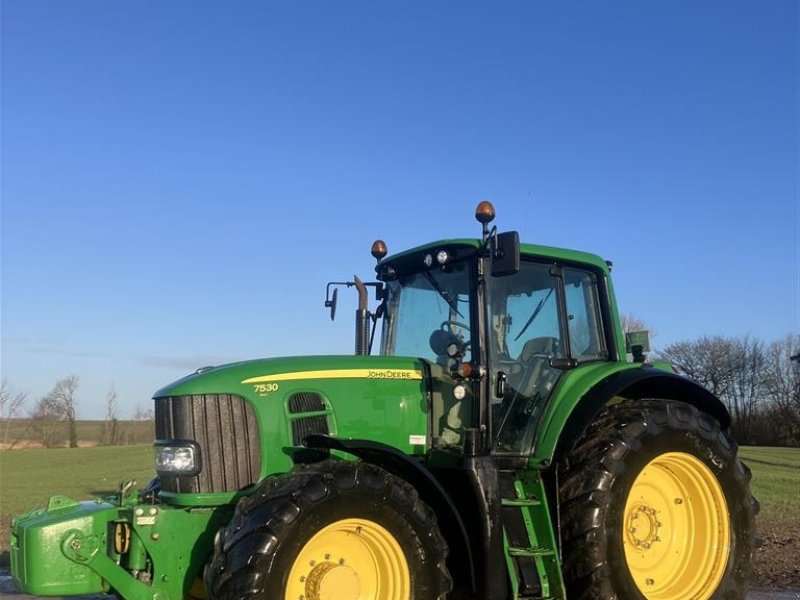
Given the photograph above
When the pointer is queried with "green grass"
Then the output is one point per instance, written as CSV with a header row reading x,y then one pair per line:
x,y
30,477
776,480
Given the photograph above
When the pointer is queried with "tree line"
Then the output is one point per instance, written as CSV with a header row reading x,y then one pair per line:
x,y
758,381
52,419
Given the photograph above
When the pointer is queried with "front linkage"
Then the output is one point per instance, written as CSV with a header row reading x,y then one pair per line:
x,y
141,549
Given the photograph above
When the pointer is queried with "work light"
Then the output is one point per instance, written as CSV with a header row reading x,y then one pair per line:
x,y
177,458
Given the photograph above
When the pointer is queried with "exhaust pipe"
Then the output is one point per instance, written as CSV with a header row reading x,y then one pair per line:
x,y
362,318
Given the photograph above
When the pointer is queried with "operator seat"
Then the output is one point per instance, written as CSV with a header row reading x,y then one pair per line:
x,y
535,358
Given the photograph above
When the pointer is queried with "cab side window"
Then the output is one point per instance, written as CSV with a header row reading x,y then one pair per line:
x,y
586,335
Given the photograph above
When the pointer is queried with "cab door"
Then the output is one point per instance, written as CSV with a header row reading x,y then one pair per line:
x,y
542,320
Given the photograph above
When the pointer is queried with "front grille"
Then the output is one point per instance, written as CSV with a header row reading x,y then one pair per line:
x,y
225,428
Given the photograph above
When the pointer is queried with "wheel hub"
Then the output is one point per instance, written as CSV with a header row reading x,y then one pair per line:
x,y
643,526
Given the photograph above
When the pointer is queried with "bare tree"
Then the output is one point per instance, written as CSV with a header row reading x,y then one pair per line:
x,y
142,428
47,418
631,322
65,391
60,404
143,414
111,422
707,360
782,386
11,404
746,385
759,384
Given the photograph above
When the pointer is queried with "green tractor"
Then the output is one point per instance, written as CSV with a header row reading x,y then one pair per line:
x,y
501,444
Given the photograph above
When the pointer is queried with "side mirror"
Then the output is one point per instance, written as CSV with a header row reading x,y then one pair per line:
x,y
332,303
505,254
637,338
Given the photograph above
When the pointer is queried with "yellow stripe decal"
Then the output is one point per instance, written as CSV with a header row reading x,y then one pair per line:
x,y
402,374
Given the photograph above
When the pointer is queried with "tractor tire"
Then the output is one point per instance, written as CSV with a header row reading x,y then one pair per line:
x,y
655,505
333,531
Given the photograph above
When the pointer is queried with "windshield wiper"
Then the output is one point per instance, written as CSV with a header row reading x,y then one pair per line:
x,y
452,303
535,314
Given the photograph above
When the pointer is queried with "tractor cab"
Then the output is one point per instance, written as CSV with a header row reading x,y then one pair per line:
x,y
499,323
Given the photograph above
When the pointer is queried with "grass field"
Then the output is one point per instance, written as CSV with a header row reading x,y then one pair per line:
x,y
776,480
29,477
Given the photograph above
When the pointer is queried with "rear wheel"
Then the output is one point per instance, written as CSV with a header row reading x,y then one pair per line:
x,y
656,506
331,531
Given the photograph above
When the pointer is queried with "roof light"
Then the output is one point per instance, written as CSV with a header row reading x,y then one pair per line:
x,y
484,213
379,249
442,257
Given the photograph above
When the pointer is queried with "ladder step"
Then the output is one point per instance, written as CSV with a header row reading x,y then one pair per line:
x,y
520,502
514,551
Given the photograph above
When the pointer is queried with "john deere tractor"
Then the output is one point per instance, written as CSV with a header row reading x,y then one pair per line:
x,y
499,444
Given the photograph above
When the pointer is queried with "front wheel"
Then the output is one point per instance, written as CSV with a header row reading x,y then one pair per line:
x,y
331,531
656,506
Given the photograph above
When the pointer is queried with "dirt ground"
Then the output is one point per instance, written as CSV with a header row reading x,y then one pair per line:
x,y
776,564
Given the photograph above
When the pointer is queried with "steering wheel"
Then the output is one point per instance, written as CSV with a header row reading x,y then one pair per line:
x,y
443,337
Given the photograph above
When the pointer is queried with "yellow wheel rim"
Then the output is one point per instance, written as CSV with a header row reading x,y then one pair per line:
x,y
676,529
351,559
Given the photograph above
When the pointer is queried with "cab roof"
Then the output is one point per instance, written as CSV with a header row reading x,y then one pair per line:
x,y
527,250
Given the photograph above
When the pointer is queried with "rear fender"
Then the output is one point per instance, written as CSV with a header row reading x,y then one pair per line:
x,y
647,382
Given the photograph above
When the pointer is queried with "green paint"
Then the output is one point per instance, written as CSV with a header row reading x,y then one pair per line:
x,y
38,565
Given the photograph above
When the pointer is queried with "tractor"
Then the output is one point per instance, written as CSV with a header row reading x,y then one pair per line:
x,y
507,440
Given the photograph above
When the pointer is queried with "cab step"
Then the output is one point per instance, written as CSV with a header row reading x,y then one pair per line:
x,y
532,559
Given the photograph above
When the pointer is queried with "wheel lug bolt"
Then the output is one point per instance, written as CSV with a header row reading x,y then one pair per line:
x,y
650,581
678,500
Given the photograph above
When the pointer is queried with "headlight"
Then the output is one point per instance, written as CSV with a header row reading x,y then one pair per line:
x,y
177,458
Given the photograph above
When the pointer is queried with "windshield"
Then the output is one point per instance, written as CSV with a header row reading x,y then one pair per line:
x,y
426,312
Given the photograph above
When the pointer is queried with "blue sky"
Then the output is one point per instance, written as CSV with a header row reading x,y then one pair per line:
x,y
180,180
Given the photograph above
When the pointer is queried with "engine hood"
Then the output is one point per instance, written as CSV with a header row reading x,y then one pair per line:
x,y
244,377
